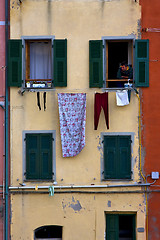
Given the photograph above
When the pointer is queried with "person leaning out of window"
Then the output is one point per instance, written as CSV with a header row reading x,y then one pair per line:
x,y
125,71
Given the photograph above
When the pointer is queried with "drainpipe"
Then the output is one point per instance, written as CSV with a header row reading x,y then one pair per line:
x,y
80,186
6,122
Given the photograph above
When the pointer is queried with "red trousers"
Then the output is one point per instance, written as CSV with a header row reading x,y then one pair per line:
x,y
101,101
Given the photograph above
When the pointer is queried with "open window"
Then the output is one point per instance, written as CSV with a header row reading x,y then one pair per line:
x,y
106,56
118,51
120,227
51,232
37,62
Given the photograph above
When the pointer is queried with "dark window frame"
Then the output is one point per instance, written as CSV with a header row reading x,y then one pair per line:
x,y
130,39
54,231
121,134
17,75
53,133
114,228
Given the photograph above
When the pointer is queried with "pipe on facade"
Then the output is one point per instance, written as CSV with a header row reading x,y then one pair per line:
x,y
6,123
140,160
76,191
79,186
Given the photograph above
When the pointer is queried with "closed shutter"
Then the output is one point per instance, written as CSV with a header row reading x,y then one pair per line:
x,y
32,156
95,64
112,227
60,63
15,63
124,162
117,157
142,63
110,157
45,156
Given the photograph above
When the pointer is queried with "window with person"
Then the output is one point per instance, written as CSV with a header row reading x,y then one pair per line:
x,y
106,56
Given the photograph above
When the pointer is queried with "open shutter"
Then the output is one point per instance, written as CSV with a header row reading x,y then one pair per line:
x,y
95,64
110,157
142,63
112,227
32,156
46,156
60,63
124,157
15,63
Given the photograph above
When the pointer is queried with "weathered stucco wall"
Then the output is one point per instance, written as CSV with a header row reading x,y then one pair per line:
x,y
79,22
81,215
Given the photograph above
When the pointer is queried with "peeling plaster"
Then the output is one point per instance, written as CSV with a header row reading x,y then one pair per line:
x,y
109,204
75,205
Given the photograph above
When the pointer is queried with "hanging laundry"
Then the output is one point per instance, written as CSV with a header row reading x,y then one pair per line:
x,y
129,95
44,99
38,100
101,101
72,114
51,191
122,98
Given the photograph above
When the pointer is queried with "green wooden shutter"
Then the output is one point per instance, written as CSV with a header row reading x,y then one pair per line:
x,y
124,157
60,63
95,64
32,156
142,63
117,157
112,227
15,63
46,156
110,157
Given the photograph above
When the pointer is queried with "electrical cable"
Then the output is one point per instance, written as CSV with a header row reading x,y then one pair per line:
x,y
140,159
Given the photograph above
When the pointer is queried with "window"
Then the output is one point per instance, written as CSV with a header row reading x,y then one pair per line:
x,y
116,157
116,52
120,227
51,232
105,57
39,161
37,62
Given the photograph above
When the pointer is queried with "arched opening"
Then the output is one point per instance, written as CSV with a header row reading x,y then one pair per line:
x,y
51,232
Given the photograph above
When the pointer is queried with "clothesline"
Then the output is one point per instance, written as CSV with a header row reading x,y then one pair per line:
x,y
80,90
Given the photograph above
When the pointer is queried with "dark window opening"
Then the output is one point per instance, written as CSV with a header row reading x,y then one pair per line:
x,y
120,227
48,232
125,227
116,53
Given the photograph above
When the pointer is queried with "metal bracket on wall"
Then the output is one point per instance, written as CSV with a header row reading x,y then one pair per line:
x,y
2,105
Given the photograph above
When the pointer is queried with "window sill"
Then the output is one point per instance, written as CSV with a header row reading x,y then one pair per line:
x,y
38,180
38,83
117,88
119,80
117,180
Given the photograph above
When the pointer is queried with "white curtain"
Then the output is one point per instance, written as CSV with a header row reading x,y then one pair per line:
x,y
40,60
